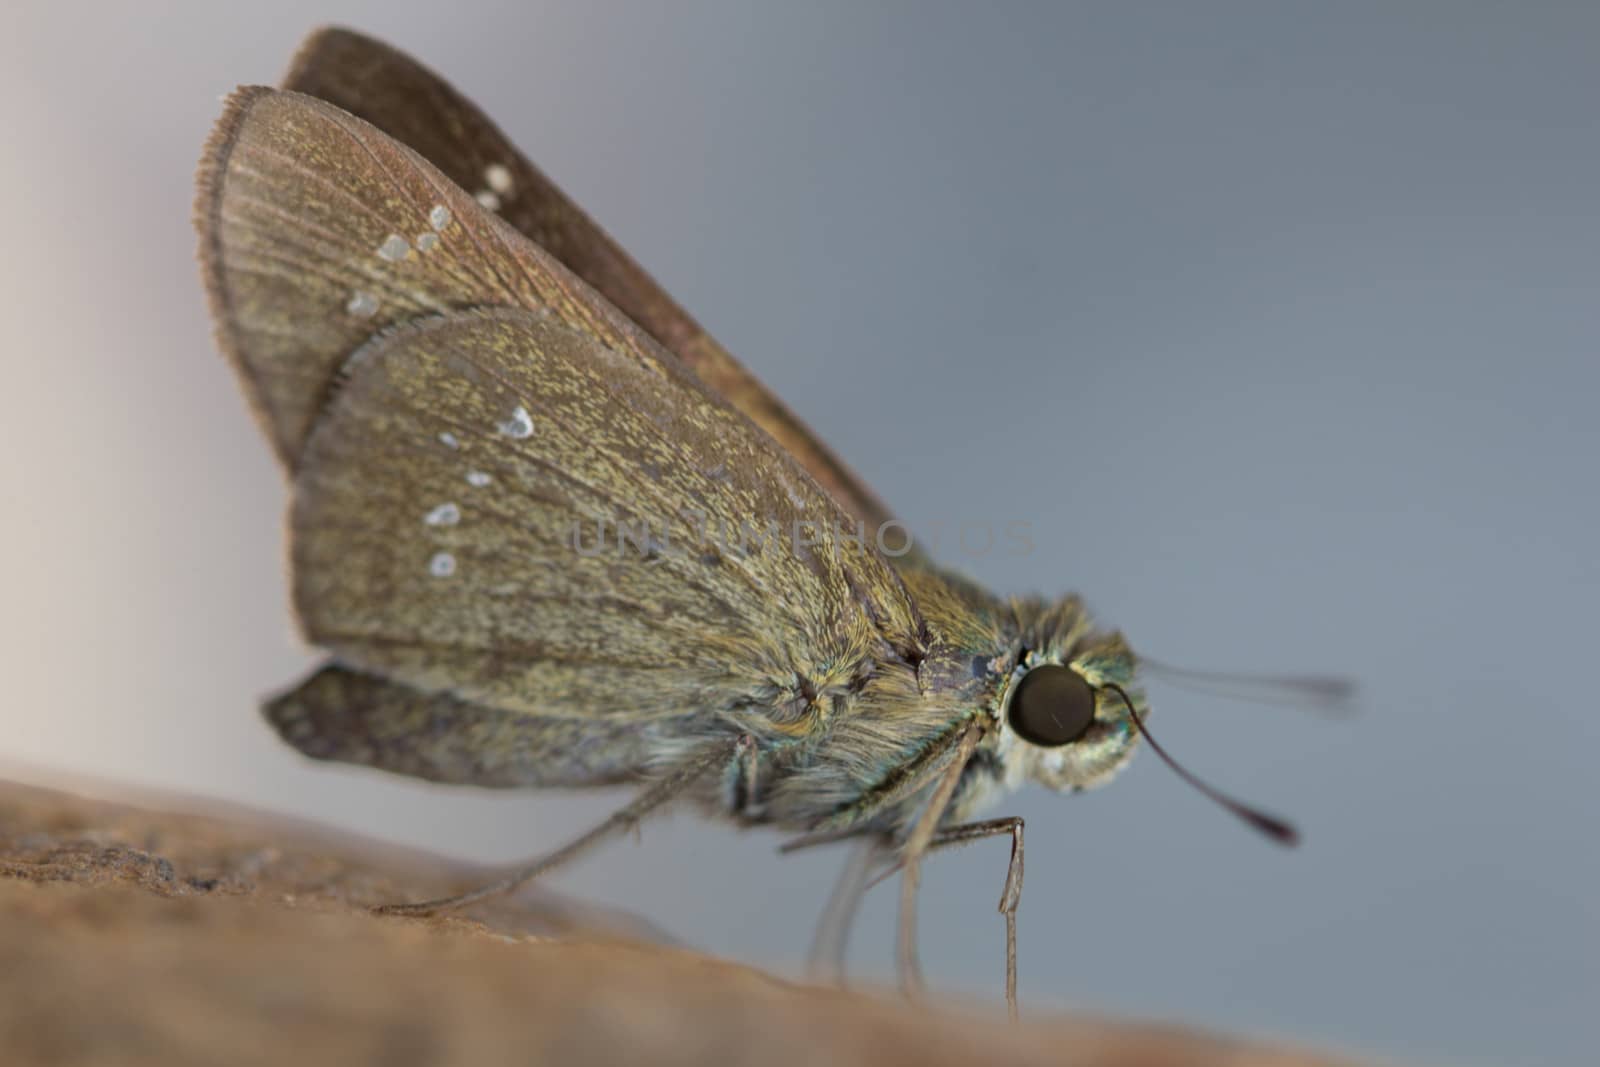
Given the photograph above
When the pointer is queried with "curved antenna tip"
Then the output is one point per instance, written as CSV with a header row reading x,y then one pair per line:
x,y
1279,830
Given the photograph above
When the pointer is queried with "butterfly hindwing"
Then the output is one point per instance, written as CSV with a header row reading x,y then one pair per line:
x,y
349,717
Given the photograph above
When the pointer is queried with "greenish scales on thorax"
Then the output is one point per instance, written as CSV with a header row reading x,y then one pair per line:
x,y
876,732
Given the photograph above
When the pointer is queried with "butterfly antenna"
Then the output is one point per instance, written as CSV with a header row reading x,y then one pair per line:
x,y
1321,693
1270,825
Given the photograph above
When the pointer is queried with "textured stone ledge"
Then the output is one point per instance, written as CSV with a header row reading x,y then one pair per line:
x,y
132,936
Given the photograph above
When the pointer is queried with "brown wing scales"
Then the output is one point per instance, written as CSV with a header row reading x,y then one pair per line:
x,y
343,715
418,108
442,496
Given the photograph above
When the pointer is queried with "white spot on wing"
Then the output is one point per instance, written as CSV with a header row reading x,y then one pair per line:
x,y
362,305
427,241
439,217
442,565
478,479
498,177
520,424
394,248
488,199
448,439
443,515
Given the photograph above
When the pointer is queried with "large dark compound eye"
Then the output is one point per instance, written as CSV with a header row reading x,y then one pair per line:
x,y
1052,706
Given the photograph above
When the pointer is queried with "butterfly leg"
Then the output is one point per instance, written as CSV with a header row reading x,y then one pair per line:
x,y
744,788
939,772
857,878
911,853
651,798
1010,896
826,960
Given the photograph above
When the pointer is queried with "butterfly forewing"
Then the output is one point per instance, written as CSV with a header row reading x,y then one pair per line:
x,y
404,99
318,231
447,471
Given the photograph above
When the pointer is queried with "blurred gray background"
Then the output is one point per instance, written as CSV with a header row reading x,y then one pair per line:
x,y
1277,322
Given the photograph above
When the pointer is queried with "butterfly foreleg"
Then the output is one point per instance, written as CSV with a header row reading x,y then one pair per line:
x,y
827,951
1010,895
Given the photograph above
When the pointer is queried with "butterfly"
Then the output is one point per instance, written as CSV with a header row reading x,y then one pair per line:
x,y
460,373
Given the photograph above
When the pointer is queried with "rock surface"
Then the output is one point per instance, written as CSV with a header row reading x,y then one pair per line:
x,y
133,936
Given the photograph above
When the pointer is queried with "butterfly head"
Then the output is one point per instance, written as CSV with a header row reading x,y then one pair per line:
x,y
1070,713
1065,713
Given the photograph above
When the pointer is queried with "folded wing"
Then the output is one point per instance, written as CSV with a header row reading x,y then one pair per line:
x,y
498,505
419,109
